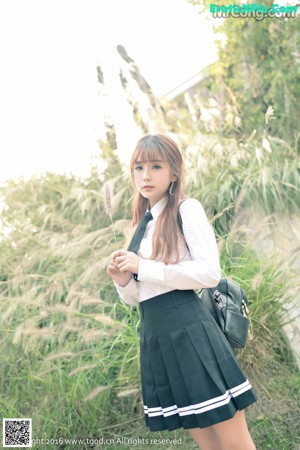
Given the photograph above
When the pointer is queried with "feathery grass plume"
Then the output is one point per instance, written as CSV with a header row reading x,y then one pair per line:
x,y
269,114
95,392
106,320
127,392
81,369
60,355
108,208
91,336
216,216
60,308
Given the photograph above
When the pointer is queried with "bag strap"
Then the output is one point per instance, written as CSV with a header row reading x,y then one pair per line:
x,y
179,219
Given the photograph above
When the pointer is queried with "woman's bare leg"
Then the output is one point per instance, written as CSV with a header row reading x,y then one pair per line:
x,y
232,434
205,438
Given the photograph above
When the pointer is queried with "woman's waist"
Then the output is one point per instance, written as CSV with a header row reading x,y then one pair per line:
x,y
150,290
166,300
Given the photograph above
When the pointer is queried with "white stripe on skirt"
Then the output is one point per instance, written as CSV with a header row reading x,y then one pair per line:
x,y
199,408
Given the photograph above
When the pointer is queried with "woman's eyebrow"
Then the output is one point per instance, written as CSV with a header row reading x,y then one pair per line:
x,y
152,160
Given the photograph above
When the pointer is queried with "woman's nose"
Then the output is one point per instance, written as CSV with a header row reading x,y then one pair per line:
x,y
146,175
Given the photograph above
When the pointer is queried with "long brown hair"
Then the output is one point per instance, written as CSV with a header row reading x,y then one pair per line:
x,y
167,235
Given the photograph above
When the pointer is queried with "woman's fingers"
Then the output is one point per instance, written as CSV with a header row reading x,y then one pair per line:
x,y
120,259
122,264
125,261
112,268
119,253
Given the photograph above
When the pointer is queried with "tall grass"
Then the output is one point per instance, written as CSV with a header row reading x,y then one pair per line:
x,y
223,172
74,367
70,349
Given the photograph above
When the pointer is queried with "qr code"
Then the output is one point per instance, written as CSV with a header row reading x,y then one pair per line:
x,y
17,432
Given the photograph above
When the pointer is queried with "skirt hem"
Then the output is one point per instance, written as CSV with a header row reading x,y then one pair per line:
x,y
220,414
177,427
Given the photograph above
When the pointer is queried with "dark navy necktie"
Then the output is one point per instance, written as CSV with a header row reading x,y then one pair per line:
x,y
139,233
138,236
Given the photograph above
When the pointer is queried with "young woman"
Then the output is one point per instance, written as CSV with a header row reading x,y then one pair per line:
x,y
190,376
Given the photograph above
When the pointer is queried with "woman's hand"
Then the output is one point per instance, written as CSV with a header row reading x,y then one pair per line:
x,y
127,261
122,265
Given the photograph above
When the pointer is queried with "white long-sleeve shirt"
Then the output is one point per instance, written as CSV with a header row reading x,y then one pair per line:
x,y
198,268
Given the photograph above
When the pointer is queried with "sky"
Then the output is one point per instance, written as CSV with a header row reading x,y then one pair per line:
x,y
50,104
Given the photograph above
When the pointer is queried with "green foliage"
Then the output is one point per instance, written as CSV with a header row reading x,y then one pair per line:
x,y
258,66
251,174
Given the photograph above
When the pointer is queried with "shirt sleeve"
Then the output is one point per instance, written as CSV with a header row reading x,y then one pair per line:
x,y
203,270
128,294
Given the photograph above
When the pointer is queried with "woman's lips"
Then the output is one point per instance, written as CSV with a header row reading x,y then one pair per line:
x,y
148,188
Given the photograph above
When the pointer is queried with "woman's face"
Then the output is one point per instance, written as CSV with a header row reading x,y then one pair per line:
x,y
152,179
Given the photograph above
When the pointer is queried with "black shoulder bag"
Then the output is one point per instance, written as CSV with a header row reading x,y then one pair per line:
x,y
227,302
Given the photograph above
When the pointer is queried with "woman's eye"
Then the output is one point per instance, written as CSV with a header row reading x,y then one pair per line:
x,y
156,166
138,168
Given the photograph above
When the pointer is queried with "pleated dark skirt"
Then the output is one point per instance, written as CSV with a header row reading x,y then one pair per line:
x,y
189,373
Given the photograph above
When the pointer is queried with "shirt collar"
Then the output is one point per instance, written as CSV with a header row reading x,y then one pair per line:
x,y
158,207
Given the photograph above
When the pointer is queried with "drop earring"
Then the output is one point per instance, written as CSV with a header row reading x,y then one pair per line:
x,y
170,188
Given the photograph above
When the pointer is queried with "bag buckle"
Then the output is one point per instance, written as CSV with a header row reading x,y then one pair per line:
x,y
219,300
245,309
